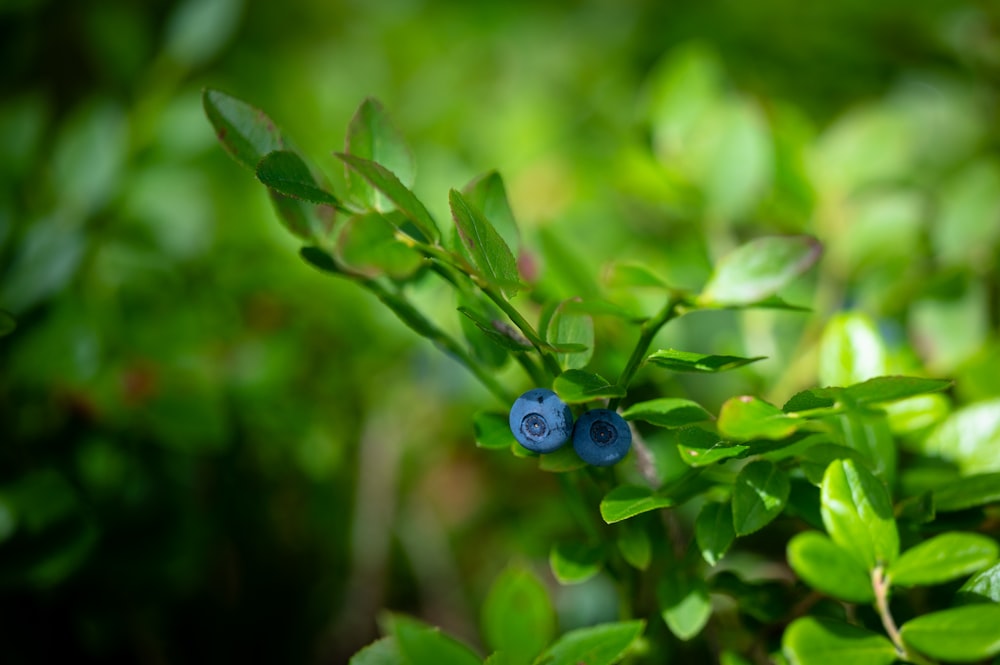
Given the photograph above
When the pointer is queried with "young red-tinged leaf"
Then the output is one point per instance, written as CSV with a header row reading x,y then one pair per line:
x,y
958,635
713,529
386,182
627,501
686,361
944,557
684,603
603,644
486,247
746,417
759,495
421,643
815,641
827,567
286,173
517,616
245,132
983,586
372,136
969,492
759,269
575,562
667,412
575,386
488,194
857,513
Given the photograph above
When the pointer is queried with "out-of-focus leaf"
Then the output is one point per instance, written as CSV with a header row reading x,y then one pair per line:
x,y
944,557
634,543
759,495
386,182
966,228
701,447
857,513
850,351
827,567
684,602
631,275
244,131
7,323
369,244
575,562
685,361
319,259
746,417
485,245
384,651
561,461
286,173
958,635
759,269
882,389
575,386
492,430
970,438
372,136
667,412
713,529
420,643
983,586
517,616
738,165
815,641
968,492
603,644
197,30
627,501
567,327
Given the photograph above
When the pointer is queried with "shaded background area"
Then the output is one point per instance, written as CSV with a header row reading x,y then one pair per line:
x,y
209,451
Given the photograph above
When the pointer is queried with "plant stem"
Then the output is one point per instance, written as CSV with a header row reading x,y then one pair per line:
x,y
880,585
646,334
522,324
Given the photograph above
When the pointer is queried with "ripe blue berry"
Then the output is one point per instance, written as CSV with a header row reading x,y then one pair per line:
x,y
540,421
601,437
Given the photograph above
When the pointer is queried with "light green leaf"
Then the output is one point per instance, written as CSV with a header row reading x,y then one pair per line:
x,y
245,132
575,562
827,567
667,412
713,529
286,173
746,417
634,544
518,617
486,247
386,182
814,641
983,586
882,389
857,513
759,269
420,643
759,495
684,603
380,652
869,434
604,644
575,386
372,136
567,327
970,438
492,430
627,501
489,195
686,361
958,635
968,492
944,557
701,447
368,244
851,351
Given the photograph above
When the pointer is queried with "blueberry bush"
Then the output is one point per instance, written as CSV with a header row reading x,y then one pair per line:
x,y
889,557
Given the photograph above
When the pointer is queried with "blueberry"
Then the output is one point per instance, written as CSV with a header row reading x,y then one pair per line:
x,y
540,421
601,437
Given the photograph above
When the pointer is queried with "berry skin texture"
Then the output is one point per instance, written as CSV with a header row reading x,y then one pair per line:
x,y
540,421
601,437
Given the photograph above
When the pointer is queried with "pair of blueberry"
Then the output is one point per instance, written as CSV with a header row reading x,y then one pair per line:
x,y
543,423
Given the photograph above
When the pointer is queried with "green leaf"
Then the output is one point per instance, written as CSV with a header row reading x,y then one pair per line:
x,y
567,327
420,643
968,492
667,412
815,641
686,361
386,182
491,352
298,216
882,389
603,644
518,617
575,386
492,430
869,434
814,398
245,132
829,568
961,634
851,350
7,323
561,461
627,501
747,417
944,557
857,513
372,136
499,331
380,652
368,244
319,259
633,275
486,247
983,586
575,562
635,545
286,173
713,529
759,495
684,603
759,269
970,438
701,447
488,194
817,458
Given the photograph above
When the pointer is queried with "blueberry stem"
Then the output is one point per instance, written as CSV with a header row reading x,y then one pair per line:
x,y
646,334
522,324
532,369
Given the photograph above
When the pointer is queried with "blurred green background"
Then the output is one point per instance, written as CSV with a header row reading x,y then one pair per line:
x,y
210,451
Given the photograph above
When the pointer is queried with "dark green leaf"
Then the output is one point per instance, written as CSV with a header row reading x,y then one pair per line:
x,y
634,544
500,332
944,557
814,398
814,641
961,634
714,531
701,447
420,643
562,460
567,327
488,194
319,259
827,567
7,323
300,217
759,494
892,388
486,247
684,603
368,244
970,438
746,417
492,430
371,135
380,652
857,513
968,492
667,412
286,173
518,617
759,269
386,182
627,501
983,586
604,644
575,386
685,361
575,562
244,131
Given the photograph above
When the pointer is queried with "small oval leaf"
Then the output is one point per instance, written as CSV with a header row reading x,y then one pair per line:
x,y
603,644
627,501
857,513
758,269
245,132
687,361
827,567
667,412
575,386
960,635
814,641
942,558
759,495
